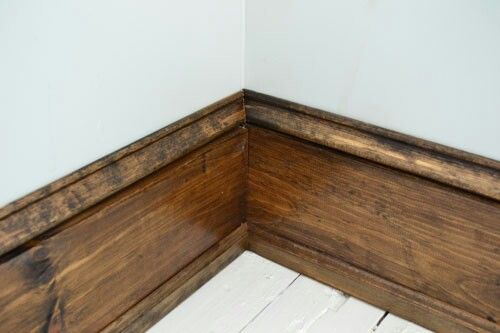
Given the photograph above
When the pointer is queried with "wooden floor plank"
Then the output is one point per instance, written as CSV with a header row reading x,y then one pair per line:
x,y
394,324
354,316
229,301
255,295
304,302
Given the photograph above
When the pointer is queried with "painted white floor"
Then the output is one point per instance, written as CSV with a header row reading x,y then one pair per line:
x,y
255,295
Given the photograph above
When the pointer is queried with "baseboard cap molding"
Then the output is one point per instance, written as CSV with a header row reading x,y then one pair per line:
x,y
53,204
451,166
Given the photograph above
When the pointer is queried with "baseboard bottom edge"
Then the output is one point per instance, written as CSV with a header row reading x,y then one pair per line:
x,y
399,300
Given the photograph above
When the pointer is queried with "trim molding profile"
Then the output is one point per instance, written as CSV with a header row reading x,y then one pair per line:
x,y
405,224
51,205
450,166
397,299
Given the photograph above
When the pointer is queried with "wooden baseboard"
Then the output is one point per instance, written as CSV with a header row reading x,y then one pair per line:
x,y
156,305
55,203
409,304
405,224
423,235
440,163
416,214
159,208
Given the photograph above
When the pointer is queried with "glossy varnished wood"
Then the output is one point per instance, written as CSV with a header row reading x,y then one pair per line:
x,y
89,271
425,236
46,208
451,166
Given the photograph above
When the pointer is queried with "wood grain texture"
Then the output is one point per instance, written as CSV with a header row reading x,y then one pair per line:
x,y
428,237
156,305
82,276
253,97
46,208
417,307
450,166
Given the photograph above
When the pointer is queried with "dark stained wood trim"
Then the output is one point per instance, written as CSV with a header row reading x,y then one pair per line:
x,y
447,165
411,305
36,213
39,232
424,235
166,297
253,96
108,159
83,274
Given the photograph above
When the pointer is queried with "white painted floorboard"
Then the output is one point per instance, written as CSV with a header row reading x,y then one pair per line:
x,y
297,308
231,299
394,324
354,316
255,295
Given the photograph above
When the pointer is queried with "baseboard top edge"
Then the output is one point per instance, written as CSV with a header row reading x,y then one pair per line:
x,y
102,162
43,209
450,166
251,95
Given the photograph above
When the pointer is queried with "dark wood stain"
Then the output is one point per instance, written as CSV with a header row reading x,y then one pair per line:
x,y
156,305
86,274
55,322
256,98
403,223
402,301
52,205
428,237
450,166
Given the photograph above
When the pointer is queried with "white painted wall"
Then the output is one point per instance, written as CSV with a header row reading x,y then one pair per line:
x,y
423,67
81,79
115,71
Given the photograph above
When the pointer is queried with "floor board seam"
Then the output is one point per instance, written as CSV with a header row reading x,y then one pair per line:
x,y
268,304
377,325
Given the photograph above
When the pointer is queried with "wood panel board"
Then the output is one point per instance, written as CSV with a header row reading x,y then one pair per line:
x,y
423,235
409,304
166,297
97,266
